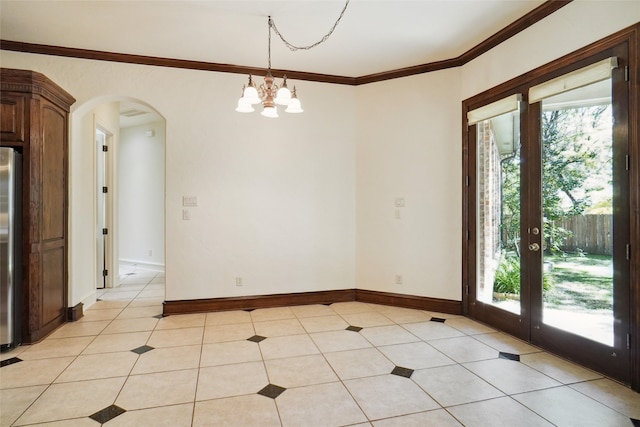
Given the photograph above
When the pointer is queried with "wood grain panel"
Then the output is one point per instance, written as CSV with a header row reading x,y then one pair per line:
x,y
53,285
54,184
12,118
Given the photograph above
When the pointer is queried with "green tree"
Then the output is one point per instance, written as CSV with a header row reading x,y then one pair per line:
x,y
575,145
576,161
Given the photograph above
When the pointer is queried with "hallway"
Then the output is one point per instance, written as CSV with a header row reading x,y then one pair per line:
x,y
356,364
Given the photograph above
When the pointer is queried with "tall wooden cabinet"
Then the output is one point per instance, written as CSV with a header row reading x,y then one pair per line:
x,y
34,114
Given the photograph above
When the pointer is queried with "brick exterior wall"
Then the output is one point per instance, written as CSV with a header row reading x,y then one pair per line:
x,y
489,204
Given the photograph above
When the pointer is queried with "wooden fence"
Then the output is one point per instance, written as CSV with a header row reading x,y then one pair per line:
x,y
589,233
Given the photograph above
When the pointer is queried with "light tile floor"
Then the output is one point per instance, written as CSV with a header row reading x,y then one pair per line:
x,y
122,364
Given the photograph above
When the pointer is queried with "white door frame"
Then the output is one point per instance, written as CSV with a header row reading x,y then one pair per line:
x,y
110,200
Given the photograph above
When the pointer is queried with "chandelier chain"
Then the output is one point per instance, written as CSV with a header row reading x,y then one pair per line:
x,y
293,47
270,25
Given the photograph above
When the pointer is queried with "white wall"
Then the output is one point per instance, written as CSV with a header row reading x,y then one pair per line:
x,y
408,143
141,194
276,197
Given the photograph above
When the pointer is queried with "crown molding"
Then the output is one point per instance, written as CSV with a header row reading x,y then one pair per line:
x,y
537,14
156,61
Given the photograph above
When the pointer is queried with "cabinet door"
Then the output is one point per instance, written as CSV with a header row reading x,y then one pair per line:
x,y
12,112
53,229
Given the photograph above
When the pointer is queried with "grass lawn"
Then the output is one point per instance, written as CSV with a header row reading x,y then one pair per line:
x,y
580,282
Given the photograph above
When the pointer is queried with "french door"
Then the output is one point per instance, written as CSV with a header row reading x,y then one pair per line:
x,y
548,215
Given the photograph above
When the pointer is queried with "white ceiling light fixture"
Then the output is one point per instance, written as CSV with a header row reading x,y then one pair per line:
x,y
270,94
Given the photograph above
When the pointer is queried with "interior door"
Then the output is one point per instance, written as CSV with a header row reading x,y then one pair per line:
x,y
101,208
548,213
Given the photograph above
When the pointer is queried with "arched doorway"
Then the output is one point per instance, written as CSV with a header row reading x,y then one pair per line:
x,y
116,187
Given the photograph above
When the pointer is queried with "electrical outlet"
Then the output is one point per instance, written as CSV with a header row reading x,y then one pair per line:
x,y
238,281
398,279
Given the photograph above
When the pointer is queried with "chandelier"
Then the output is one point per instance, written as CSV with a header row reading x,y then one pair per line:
x,y
269,93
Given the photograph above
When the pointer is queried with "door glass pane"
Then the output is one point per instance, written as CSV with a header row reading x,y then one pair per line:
x,y
577,207
498,219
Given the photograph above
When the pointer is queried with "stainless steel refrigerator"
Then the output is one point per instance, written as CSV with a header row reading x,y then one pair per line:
x,y
10,247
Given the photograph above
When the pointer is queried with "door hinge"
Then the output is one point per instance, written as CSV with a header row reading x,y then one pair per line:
x,y
105,189
466,289
105,273
628,341
628,251
105,148
468,235
628,162
467,180
105,231
626,73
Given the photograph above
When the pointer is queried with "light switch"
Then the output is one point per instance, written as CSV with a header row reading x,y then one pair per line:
x,y
190,201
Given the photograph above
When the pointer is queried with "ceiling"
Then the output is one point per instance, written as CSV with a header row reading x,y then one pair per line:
x,y
374,36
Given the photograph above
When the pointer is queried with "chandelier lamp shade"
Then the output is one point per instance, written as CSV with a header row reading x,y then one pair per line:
x,y
270,94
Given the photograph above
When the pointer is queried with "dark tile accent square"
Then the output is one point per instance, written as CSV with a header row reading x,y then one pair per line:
x,y
249,310
272,391
402,372
509,356
353,328
158,316
11,361
438,319
107,414
256,338
143,349
636,423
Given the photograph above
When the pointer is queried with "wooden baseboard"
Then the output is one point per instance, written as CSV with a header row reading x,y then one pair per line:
x,y
75,313
306,298
409,301
256,301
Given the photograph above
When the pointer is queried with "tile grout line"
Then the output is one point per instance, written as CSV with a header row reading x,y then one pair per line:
x,y
561,384
195,394
138,355
266,371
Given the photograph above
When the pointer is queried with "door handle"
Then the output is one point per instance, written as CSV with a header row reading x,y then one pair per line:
x,y
534,247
